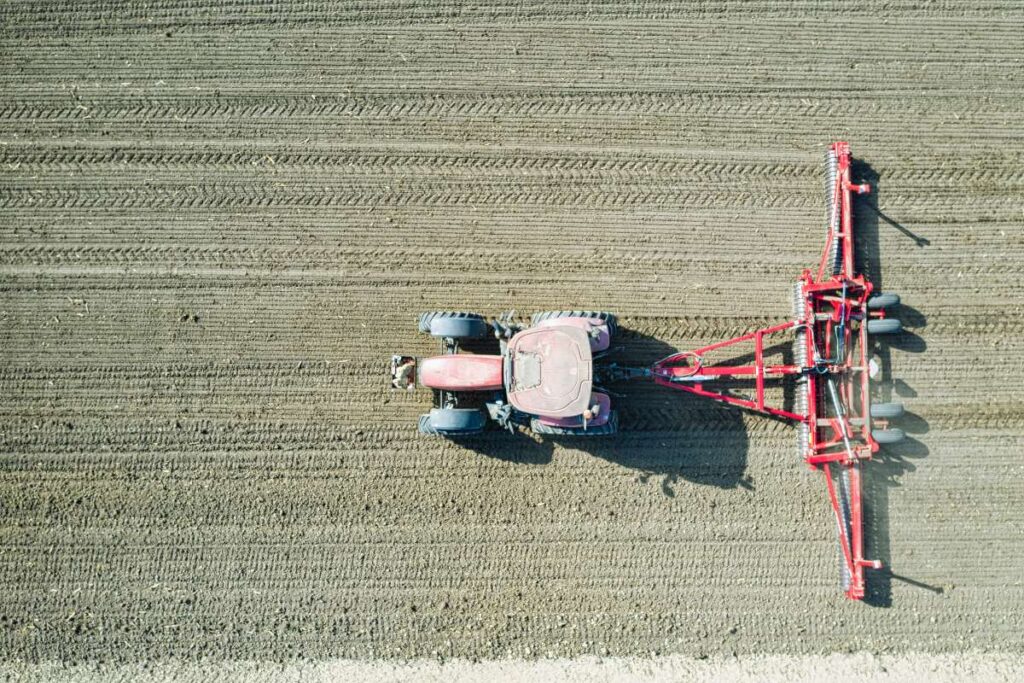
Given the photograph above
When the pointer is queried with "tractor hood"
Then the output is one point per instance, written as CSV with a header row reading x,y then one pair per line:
x,y
462,372
551,371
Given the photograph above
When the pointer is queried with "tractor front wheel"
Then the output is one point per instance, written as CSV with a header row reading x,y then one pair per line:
x,y
453,422
454,325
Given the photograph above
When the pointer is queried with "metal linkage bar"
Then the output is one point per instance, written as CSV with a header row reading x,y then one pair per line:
x,y
670,371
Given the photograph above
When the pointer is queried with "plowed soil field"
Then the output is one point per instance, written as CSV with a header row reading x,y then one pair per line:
x,y
218,220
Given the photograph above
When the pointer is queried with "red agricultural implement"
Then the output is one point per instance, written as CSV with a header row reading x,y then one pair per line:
x,y
835,311
549,375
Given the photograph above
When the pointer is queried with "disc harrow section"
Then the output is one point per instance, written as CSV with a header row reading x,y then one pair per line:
x,y
801,392
832,207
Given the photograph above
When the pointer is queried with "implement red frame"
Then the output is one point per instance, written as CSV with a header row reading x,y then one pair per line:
x,y
830,365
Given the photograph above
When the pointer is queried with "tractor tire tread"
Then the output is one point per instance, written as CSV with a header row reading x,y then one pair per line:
x,y
426,424
608,319
607,429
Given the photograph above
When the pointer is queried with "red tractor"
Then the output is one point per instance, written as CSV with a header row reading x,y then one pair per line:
x,y
542,378
549,374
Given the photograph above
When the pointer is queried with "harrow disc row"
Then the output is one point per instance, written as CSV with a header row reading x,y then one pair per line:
x,y
802,391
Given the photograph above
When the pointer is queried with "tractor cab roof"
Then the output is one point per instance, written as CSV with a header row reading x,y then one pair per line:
x,y
550,371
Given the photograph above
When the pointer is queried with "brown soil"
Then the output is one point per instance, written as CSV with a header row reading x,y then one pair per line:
x,y
218,221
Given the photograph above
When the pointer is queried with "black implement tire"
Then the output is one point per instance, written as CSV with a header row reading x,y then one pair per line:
x,y
883,300
886,411
454,324
453,421
607,429
605,317
888,436
884,326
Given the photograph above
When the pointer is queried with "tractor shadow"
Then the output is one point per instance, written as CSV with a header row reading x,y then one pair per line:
x,y
892,462
667,436
519,448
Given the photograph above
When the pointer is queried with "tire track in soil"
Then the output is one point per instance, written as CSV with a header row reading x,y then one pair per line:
x,y
212,240
96,16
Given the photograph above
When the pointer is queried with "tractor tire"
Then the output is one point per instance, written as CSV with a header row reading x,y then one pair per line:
x,y
883,300
424,427
608,319
884,326
888,436
835,252
607,429
453,422
886,411
454,325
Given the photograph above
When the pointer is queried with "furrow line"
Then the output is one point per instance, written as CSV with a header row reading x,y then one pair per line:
x,y
101,19
565,167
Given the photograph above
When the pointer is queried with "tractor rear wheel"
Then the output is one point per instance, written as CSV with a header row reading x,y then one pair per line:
x,y
888,436
883,300
607,429
453,421
604,317
886,411
884,326
454,325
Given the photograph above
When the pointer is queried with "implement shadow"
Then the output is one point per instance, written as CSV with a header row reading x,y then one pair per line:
x,y
892,462
663,434
669,434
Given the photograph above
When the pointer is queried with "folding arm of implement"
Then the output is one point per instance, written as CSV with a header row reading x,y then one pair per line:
x,y
830,369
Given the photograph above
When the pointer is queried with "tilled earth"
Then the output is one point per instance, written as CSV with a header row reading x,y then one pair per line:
x,y
217,222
